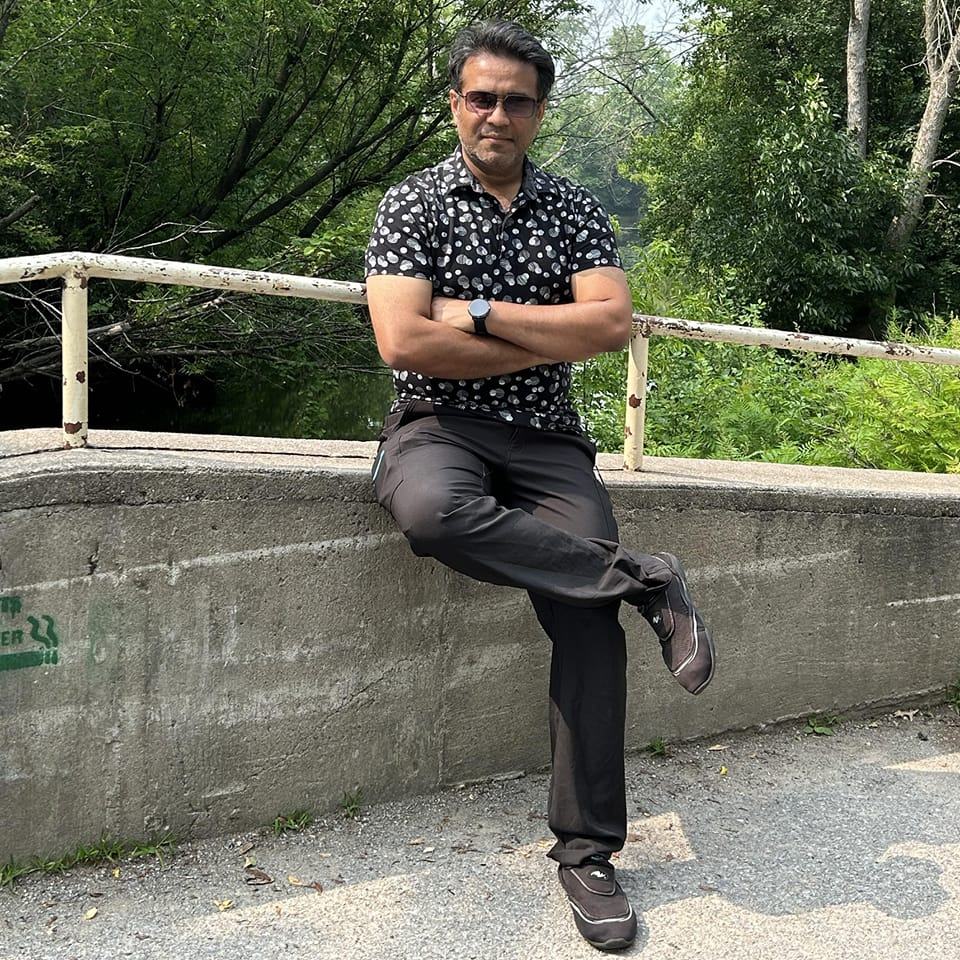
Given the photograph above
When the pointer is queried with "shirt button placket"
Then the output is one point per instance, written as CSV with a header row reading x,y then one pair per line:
x,y
498,266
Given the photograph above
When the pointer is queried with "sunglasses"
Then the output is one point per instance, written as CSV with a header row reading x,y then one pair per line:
x,y
514,104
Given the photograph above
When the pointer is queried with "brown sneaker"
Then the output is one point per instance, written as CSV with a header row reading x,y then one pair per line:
x,y
685,641
600,907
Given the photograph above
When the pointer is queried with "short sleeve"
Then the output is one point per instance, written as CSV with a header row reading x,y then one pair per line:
x,y
399,243
594,244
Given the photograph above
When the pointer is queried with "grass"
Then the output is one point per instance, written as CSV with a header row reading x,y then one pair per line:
x,y
106,850
953,695
656,747
823,726
292,822
351,803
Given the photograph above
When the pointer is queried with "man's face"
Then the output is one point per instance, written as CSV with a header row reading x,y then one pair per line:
x,y
496,142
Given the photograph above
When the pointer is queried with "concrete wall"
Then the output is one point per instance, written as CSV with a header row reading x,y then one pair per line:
x,y
239,630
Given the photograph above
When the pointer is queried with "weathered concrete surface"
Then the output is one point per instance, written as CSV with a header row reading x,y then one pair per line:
x,y
807,848
242,631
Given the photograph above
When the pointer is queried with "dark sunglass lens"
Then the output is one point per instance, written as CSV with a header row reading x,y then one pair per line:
x,y
478,100
518,106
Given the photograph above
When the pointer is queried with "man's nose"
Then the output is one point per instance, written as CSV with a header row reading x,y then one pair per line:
x,y
499,115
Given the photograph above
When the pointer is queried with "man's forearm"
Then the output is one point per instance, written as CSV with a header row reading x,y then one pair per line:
x,y
439,350
569,331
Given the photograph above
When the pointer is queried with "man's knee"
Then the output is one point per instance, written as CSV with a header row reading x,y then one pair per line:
x,y
432,524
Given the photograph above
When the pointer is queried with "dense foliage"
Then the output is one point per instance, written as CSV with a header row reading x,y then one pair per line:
x,y
714,400
757,185
251,134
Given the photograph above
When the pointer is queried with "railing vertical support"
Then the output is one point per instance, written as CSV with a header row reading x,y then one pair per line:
x,y
636,401
74,342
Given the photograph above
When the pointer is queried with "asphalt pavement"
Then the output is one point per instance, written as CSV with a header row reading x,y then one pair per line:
x,y
776,843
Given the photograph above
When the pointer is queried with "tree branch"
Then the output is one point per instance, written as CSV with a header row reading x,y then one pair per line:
x,y
20,211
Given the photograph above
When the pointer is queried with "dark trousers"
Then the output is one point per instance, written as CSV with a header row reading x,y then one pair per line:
x,y
526,508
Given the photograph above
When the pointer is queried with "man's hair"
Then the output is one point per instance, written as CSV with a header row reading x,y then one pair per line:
x,y
502,39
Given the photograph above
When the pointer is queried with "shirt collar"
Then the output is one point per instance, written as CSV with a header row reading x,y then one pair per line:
x,y
458,176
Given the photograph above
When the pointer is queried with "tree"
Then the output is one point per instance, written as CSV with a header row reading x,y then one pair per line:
x,y
773,198
857,97
252,133
612,84
941,51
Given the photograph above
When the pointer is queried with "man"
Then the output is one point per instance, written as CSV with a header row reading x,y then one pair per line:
x,y
486,277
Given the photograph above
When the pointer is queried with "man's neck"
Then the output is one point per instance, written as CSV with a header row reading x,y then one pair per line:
x,y
504,188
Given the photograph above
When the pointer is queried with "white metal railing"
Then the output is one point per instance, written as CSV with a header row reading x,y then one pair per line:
x,y
76,269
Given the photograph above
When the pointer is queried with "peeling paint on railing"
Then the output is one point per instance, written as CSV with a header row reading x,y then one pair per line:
x,y
793,340
106,266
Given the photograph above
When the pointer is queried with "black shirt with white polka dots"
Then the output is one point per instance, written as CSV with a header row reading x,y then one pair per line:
x,y
442,226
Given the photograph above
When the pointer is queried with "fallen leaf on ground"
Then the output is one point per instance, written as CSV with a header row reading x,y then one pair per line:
x,y
255,877
429,849
908,714
246,848
415,841
249,862
116,871
223,904
723,771
707,888
90,914
633,837
297,882
717,747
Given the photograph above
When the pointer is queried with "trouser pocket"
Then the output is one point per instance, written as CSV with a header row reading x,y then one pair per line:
x,y
386,473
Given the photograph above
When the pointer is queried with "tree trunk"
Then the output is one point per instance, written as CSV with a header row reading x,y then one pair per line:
x,y
941,35
857,102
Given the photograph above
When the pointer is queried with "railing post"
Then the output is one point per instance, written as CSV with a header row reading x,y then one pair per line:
x,y
74,341
636,400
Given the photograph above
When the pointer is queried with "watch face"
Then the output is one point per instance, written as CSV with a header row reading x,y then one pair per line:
x,y
478,309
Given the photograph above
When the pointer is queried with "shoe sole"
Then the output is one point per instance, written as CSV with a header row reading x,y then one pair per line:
x,y
618,944
673,562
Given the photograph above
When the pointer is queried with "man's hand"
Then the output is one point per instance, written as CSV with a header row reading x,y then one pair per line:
x,y
453,313
598,319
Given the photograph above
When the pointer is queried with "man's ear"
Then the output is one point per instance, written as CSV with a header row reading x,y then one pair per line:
x,y
454,105
541,110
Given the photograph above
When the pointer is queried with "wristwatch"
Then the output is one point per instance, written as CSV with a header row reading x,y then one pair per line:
x,y
479,309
